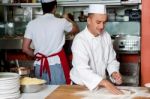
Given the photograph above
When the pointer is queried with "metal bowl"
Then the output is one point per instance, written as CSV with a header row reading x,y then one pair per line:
x,y
32,88
31,85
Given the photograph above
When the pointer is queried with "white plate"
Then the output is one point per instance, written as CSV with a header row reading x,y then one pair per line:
x,y
9,91
8,76
9,82
10,96
8,87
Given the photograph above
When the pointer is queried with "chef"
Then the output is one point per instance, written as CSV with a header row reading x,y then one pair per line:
x,y
93,54
48,37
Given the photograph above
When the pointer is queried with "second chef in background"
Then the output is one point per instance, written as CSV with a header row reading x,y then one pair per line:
x,y
48,37
93,54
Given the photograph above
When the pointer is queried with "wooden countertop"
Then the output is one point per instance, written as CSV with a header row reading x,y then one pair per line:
x,y
66,92
70,92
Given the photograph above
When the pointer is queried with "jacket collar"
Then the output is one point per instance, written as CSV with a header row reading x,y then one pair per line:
x,y
90,35
49,15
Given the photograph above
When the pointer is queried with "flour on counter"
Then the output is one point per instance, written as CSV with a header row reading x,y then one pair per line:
x,y
129,93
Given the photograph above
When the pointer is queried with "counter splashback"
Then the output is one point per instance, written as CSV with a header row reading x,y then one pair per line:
x,y
114,28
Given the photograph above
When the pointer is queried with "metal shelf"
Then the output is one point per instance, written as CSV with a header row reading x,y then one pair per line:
x,y
128,52
73,3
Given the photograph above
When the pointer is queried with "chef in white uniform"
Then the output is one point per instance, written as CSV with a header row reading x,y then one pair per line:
x,y
93,54
47,34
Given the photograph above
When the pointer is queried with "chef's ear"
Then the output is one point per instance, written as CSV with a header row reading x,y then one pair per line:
x,y
88,20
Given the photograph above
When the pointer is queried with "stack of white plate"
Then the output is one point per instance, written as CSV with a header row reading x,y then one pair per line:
x,y
9,85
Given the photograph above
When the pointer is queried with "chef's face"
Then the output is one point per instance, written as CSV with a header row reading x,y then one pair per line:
x,y
96,23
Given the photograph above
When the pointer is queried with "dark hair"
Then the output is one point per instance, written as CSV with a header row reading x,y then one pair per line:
x,y
48,7
71,16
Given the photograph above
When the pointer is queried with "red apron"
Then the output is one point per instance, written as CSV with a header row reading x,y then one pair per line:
x,y
45,65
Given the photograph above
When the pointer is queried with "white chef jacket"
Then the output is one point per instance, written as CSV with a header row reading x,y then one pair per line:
x,y
47,34
91,57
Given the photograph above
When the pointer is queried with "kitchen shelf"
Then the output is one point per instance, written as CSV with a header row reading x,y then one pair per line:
x,y
72,3
128,52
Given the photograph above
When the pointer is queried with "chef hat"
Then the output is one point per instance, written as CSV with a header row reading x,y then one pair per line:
x,y
46,1
97,8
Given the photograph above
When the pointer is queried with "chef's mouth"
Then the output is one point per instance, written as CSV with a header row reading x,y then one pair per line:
x,y
100,31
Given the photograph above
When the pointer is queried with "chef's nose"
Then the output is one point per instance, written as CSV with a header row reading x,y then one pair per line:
x,y
101,25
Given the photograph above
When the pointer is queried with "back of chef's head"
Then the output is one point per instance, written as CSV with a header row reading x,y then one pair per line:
x,y
97,8
48,5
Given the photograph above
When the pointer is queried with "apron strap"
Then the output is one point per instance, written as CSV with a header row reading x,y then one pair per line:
x,y
65,65
45,65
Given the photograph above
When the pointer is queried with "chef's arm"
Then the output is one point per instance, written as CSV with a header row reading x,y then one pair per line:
x,y
108,85
75,28
113,66
26,47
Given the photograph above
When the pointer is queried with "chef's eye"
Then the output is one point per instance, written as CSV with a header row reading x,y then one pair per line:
x,y
98,22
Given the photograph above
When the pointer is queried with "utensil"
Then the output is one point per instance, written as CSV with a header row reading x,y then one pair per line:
x,y
22,70
17,63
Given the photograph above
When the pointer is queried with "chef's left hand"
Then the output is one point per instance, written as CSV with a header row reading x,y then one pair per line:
x,y
117,77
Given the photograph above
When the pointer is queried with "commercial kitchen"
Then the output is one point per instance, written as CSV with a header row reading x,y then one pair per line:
x,y
128,24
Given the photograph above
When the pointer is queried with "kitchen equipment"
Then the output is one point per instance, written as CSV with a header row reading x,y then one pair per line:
x,y
127,43
130,73
24,71
5,1
2,29
32,88
18,14
32,85
134,14
9,28
37,13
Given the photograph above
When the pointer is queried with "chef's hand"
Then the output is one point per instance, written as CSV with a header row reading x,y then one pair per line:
x,y
65,15
117,77
113,89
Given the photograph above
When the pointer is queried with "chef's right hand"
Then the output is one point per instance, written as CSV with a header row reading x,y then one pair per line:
x,y
108,85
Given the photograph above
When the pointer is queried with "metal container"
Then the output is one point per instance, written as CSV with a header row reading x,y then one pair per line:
x,y
24,71
9,29
32,88
127,43
2,29
31,85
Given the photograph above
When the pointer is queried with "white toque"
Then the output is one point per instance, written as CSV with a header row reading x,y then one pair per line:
x,y
97,8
